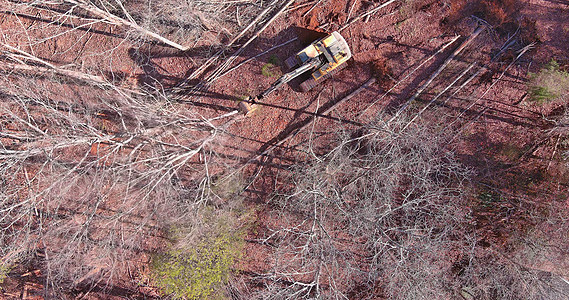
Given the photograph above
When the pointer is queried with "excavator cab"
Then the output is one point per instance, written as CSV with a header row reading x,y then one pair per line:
x,y
333,52
323,58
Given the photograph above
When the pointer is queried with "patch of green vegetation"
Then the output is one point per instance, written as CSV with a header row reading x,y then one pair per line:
x,y
198,272
271,69
488,199
4,270
549,84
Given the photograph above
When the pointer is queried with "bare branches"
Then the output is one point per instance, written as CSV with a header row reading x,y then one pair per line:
x,y
95,182
214,58
370,206
106,15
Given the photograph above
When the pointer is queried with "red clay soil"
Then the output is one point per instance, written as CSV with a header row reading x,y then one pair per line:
x,y
493,117
501,124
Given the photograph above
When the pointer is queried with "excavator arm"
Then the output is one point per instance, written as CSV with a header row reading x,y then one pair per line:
x,y
312,64
249,105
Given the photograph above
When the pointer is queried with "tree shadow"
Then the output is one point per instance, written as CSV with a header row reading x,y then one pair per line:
x,y
107,290
59,23
488,112
153,75
295,126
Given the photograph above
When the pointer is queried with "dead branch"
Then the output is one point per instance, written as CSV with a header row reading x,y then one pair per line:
x,y
311,8
423,62
128,23
439,70
351,10
439,94
368,13
217,55
67,73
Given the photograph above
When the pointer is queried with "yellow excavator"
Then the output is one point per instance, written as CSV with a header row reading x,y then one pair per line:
x,y
324,58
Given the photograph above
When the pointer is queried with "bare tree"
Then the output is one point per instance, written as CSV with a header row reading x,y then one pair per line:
x,y
378,210
388,212
87,186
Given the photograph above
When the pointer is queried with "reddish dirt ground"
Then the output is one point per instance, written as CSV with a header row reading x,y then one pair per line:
x,y
497,126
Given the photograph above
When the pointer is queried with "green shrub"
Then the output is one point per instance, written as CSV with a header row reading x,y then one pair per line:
x,y
488,198
270,69
199,271
549,84
4,270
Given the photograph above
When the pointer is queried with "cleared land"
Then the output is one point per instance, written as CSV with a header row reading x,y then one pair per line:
x,y
433,166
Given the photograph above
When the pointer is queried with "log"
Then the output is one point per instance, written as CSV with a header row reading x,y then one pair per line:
x,y
439,70
447,61
312,8
63,72
411,73
520,54
368,13
120,21
216,56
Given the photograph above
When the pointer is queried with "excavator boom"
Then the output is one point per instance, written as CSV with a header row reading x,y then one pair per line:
x,y
313,63
249,105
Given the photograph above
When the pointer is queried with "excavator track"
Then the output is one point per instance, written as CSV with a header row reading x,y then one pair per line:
x,y
309,84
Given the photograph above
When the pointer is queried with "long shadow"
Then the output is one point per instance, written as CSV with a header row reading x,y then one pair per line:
x,y
302,111
59,23
153,75
490,100
295,127
315,135
244,159
474,112
233,100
